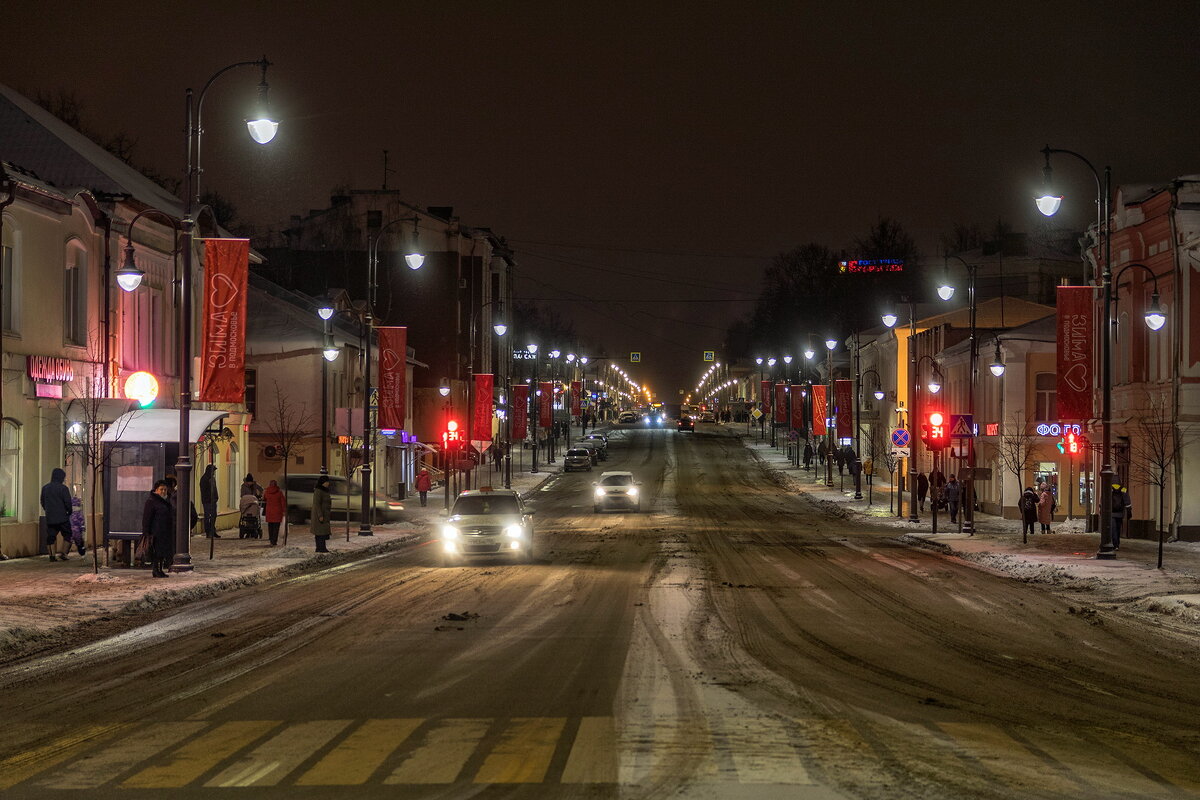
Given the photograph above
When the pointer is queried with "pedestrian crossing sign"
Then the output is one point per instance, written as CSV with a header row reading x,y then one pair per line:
x,y
961,426
710,355
635,357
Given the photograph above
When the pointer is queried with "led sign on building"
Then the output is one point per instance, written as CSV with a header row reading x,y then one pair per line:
x,y
872,265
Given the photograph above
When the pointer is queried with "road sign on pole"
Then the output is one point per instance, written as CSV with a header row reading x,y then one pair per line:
x,y
900,439
900,452
961,426
710,355
635,357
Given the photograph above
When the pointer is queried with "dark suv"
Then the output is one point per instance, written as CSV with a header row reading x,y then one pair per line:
x,y
686,424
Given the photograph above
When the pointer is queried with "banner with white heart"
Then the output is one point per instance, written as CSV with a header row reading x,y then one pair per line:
x,y
1076,373
393,374
223,349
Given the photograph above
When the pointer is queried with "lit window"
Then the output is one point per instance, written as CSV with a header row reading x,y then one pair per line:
x,y
1046,401
10,457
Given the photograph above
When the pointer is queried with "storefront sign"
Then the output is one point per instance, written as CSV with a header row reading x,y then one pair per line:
x,y
393,375
1076,375
871,265
1057,429
143,387
48,369
223,350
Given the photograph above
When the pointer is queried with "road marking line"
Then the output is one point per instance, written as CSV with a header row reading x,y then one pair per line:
x,y
524,751
278,756
200,755
91,771
355,760
441,757
1009,760
15,769
1079,756
594,754
763,753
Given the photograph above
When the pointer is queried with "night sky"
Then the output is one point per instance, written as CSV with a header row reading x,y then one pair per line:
x,y
645,160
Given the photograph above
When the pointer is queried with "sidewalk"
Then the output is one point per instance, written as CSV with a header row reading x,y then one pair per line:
x,y
1066,557
41,601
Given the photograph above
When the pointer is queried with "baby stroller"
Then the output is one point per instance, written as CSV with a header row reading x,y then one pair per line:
x,y
250,522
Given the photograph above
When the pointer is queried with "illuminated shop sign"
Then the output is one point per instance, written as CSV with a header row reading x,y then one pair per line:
x,y
48,369
1058,428
143,387
872,265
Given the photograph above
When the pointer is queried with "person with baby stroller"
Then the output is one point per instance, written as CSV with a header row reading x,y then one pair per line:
x,y
249,517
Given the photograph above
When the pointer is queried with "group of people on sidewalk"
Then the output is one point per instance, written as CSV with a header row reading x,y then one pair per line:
x,y
255,504
1037,508
946,494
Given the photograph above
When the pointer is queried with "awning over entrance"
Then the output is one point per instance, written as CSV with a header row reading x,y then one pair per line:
x,y
158,425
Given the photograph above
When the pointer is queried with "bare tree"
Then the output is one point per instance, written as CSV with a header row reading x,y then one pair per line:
x,y
84,422
289,425
1155,449
1014,448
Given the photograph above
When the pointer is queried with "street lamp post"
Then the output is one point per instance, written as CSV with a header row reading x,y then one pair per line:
x,y
771,367
262,129
759,361
1049,204
329,353
414,261
890,320
787,380
946,291
533,401
830,346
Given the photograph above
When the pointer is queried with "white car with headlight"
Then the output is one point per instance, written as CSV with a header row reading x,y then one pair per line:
x,y
616,490
487,522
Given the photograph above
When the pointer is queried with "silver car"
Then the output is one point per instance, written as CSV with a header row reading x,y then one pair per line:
x,y
488,522
577,458
346,497
616,490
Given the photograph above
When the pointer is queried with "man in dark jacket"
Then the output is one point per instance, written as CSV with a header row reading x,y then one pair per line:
x,y
952,494
1122,509
208,501
158,523
56,503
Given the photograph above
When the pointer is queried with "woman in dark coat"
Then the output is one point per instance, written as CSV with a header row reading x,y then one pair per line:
x,y
158,523
322,507
922,489
1029,510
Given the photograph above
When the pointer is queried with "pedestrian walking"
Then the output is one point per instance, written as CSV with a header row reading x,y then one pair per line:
x,y
952,494
1122,509
1028,505
1046,507
158,530
276,507
56,504
250,486
922,489
821,452
424,484
808,454
78,526
322,507
208,501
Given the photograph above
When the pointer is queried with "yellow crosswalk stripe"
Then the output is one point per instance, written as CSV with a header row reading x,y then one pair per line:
x,y
664,749
25,765
1007,759
1180,767
594,755
524,751
274,759
92,770
200,755
762,752
443,754
1082,758
355,760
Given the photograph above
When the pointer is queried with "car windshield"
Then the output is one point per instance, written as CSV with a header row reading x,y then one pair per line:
x,y
578,452
616,480
483,504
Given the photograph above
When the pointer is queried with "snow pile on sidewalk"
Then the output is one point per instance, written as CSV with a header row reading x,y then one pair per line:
x,y
1024,569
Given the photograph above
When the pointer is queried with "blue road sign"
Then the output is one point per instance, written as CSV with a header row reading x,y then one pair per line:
x,y
900,437
962,426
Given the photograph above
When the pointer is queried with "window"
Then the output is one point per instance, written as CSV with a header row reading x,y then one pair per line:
x,y
75,296
1045,401
10,278
145,337
10,457
251,390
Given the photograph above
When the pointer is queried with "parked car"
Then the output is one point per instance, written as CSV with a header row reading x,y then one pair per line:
x,y
592,447
686,424
616,490
346,496
601,441
577,458
487,522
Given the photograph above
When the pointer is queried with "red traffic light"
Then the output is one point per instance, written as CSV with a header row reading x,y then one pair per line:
x,y
452,435
934,431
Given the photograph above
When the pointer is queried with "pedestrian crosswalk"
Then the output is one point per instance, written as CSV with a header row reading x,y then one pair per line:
x,y
761,751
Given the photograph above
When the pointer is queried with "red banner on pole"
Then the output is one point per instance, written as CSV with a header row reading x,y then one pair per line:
x,y
393,369
223,352
781,406
481,423
1076,370
545,404
576,398
820,410
520,411
843,398
797,407
764,396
